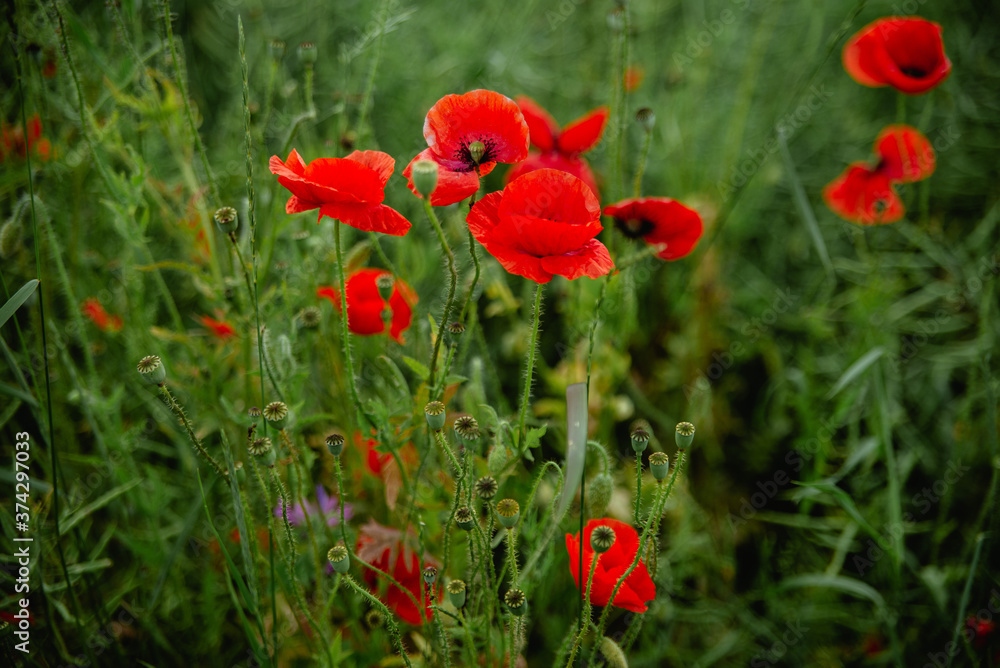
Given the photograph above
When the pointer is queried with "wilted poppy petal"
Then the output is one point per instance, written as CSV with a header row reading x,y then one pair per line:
x,y
577,166
542,128
455,121
906,154
591,260
862,195
584,133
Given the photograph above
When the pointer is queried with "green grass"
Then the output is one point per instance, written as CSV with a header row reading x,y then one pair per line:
x,y
841,494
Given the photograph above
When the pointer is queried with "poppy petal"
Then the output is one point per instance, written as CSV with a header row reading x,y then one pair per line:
x,y
591,260
576,165
485,215
480,115
349,180
451,186
906,53
669,222
906,154
542,128
381,163
584,133
541,237
519,263
552,194
865,196
368,217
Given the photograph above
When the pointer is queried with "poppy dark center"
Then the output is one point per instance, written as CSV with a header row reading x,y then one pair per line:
x,y
634,228
913,72
465,154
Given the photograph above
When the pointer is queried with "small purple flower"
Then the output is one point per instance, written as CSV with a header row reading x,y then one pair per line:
x,y
329,508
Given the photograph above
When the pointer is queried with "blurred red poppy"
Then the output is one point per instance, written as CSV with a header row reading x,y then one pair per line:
x,y
906,53
560,148
638,588
633,78
659,220
12,141
219,328
384,548
542,224
453,125
365,305
864,193
105,322
350,189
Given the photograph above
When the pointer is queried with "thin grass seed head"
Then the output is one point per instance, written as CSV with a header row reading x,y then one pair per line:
x,y
684,435
152,370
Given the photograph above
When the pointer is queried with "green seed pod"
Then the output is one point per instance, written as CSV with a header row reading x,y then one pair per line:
x,y
254,414
152,370
640,439
435,413
430,575
276,49
684,435
425,177
599,493
602,538
339,558
467,429
226,219
646,118
486,487
385,284
308,54
335,444
516,602
497,459
456,593
659,465
310,317
262,450
464,518
477,150
508,511
276,413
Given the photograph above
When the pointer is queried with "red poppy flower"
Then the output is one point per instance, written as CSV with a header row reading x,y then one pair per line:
x,y
375,460
457,121
659,220
542,224
633,78
365,304
864,193
384,548
560,148
979,630
105,322
903,52
12,142
219,328
350,189
638,588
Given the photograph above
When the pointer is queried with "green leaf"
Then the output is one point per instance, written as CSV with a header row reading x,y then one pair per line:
x,y
394,377
535,437
418,368
838,582
856,370
12,391
101,501
7,310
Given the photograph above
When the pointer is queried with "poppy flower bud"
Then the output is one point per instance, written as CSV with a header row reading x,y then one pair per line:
x,y
254,414
310,317
497,459
599,494
308,54
613,654
335,444
477,150
226,219
467,429
516,602
152,370
456,593
640,439
464,518
425,177
435,415
276,49
508,511
339,558
659,465
430,576
646,117
486,487
684,435
602,538
276,413
385,283
261,449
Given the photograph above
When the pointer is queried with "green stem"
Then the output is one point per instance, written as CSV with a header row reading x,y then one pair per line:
x,y
370,87
283,494
443,442
638,485
641,168
584,626
390,622
512,556
178,411
341,502
530,370
453,275
345,332
475,277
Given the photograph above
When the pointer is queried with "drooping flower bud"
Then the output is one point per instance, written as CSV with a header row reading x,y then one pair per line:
x,y
456,593
497,459
435,415
152,370
613,654
425,177
659,465
508,511
684,435
599,493
335,444
339,558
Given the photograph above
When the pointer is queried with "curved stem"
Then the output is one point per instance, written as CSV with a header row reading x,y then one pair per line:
x,y
529,373
453,274
176,409
345,332
390,622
